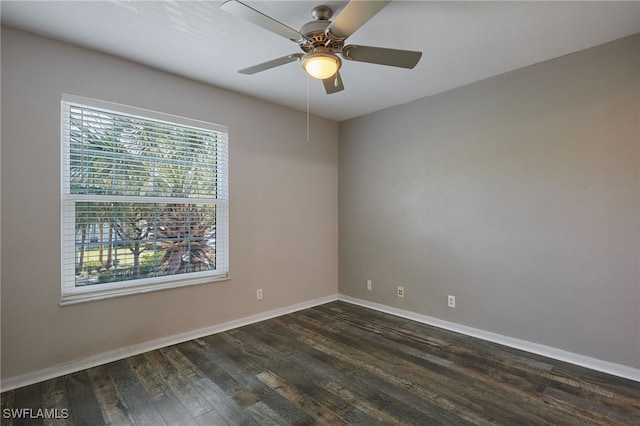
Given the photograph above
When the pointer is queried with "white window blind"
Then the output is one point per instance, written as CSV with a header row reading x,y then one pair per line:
x,y
144,200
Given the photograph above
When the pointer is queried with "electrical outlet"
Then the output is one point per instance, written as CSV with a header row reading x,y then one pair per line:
x,y
259,294
369,285
400,291
451,301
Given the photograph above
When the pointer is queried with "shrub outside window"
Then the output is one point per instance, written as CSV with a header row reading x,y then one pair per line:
x,y
144,200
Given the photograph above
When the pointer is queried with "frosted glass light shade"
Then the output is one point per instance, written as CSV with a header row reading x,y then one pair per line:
x,y
321,65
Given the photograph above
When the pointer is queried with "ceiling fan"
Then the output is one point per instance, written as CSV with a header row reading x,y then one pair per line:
x,y
322,40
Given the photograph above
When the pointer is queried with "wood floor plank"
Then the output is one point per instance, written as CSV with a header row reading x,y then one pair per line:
x,y
179,385
608,398
405,332
262,414
211,418
426,377
379,404
316,386
334,364
55,399
314,408
389,370
193,351
516,372
589,409
169,406
216,396
113,411
394,345
337,375
222,403
7,402
138,405
83,407
29,397
263,392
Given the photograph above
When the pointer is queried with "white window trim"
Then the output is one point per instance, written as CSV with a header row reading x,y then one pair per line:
x,y
70,294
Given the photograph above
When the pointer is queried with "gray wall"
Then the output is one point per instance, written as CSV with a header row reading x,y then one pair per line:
x,y
283,206
518,194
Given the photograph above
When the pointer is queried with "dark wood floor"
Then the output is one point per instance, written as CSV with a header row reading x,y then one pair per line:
x,y
332,364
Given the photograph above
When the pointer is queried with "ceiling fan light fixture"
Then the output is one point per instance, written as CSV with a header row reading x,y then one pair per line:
x,y
321,65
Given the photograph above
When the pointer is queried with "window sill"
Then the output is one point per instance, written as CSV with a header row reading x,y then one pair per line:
x,y
75,298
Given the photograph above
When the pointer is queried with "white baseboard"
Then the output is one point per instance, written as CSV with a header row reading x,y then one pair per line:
x,y
117,354
548,351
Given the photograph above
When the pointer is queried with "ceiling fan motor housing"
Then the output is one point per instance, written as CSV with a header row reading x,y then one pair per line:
x,y
318,47
315,31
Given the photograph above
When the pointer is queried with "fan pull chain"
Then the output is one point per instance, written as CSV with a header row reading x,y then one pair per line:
x,y
307,107
335,82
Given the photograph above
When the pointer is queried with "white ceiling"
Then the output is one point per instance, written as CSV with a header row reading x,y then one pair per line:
x,y
462,42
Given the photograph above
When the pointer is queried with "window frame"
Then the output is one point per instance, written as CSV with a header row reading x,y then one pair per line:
x,y
70,293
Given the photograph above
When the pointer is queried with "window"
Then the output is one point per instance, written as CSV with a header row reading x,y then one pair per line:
x,y
144,200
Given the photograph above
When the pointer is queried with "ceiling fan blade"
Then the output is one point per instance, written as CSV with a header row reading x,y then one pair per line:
x,y
333,84
353,16
250,14
271,64
382,56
